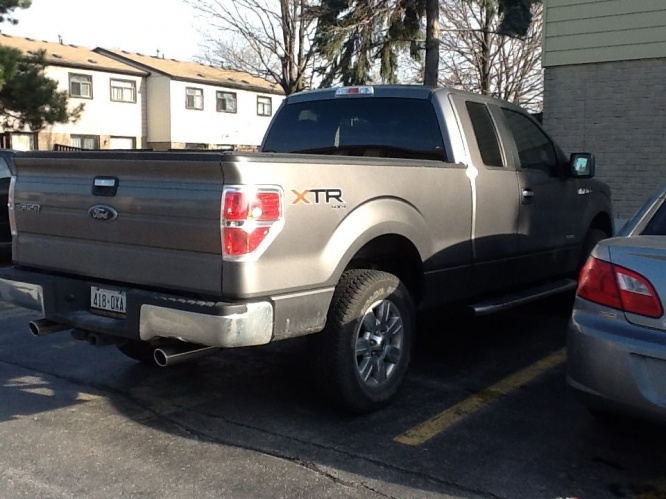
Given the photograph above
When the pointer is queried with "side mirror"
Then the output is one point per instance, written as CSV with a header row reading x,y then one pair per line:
x,y
581,165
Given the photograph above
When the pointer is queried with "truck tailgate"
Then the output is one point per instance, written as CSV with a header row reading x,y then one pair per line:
x,y
160,228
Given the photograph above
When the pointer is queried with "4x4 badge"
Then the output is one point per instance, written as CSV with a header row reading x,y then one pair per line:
x,y
103,213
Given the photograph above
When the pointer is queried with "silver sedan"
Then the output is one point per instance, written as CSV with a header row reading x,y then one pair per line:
x,y
616,342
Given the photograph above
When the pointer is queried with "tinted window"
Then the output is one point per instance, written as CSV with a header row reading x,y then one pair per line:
x,y
486,136
370,126
4,168
534,148
657,224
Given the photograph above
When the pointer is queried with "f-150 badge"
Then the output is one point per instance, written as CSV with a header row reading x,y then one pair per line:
x,y
103,213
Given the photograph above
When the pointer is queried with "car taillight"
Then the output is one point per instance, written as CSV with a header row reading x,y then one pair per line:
x,y
248,216
10,206
616,287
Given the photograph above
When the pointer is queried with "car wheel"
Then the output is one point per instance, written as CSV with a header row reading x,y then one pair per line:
x,y
363,353
138,350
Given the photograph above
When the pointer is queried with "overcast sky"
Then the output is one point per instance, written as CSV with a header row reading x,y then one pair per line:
x,y
143,26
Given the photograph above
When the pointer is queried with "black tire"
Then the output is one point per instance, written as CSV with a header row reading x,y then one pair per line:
x,y
360,371
138,350
592,237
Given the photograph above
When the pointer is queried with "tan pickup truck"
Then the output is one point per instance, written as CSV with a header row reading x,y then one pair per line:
x,y
364,205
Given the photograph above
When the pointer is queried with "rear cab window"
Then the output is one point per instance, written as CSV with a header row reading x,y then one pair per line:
x,y
364,126
485,133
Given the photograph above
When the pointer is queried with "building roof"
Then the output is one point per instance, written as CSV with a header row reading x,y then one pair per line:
x,y
60,54
195,72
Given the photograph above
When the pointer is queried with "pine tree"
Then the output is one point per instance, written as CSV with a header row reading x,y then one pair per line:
x,y
27,97
352,34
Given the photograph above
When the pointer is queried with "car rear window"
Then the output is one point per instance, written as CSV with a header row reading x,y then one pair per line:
x,y
657,224
368,126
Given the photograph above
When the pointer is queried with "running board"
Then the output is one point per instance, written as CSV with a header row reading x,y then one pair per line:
x,y
501,303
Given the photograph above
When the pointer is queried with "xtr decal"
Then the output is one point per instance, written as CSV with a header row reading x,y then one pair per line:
x,y
331,197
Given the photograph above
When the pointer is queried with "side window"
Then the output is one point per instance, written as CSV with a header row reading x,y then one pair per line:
x,y
486,136
657,225
535,150
4,168
84,141
194,98
80,86
264,106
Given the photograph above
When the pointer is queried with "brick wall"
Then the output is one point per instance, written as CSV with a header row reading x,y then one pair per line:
x,y
616,110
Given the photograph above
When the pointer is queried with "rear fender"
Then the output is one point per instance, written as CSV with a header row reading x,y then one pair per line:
x,y
373,219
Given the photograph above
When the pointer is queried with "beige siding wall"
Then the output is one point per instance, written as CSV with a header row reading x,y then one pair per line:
x,y
589,31
158,109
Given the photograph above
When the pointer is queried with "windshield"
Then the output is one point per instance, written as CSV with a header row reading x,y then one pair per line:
x,y
372,126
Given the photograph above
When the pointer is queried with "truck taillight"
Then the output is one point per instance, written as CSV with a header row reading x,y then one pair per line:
x,y
250,217
616,287
10,206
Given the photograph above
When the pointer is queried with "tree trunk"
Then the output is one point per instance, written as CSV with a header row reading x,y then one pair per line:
x,y
431,73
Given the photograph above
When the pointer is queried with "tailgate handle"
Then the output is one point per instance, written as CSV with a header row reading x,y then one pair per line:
x,y
105,186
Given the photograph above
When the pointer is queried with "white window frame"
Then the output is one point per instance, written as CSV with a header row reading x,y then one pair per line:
x,y
223,99
264,106
192,95
83,81
124,90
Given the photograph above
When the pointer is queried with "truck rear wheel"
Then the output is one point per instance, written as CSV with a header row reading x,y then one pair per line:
x,y
364,351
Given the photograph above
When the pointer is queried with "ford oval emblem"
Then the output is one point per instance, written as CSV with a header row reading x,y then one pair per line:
x,y
103,213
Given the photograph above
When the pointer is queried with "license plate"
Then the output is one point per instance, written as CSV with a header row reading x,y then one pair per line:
x,y
106,299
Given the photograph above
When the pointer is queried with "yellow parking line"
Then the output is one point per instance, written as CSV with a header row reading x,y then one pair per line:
x,y
444,420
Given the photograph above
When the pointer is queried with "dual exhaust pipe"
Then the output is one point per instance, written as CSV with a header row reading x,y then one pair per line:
x,y
164,356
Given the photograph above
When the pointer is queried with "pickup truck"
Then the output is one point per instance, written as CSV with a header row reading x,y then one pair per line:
x,y
363,206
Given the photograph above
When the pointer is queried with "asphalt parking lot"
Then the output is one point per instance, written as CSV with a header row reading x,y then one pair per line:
x,y
484,413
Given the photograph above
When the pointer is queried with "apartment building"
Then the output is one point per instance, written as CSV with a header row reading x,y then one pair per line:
x,y
111,91
605,90
198,106
136,101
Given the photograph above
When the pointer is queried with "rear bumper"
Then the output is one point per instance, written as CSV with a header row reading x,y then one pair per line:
x,y
614,365
149,315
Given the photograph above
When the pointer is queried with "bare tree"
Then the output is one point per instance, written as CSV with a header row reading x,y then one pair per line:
x,y
266,38
475,57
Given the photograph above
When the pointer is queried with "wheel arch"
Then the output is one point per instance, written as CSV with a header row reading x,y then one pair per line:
x,y
386,234
395,254
602,221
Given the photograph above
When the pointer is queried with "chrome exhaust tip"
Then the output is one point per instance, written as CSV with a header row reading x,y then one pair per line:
x,y
171,355
42,327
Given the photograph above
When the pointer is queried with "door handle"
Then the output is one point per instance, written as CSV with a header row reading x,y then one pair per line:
x,y
528,194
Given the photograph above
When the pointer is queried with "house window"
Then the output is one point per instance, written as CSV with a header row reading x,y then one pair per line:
x,y
122,143
80,86
194,98
226,102
264,106
24,141
84,141
123,91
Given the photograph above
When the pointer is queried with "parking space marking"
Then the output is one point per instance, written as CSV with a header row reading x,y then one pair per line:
x,y
423,432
